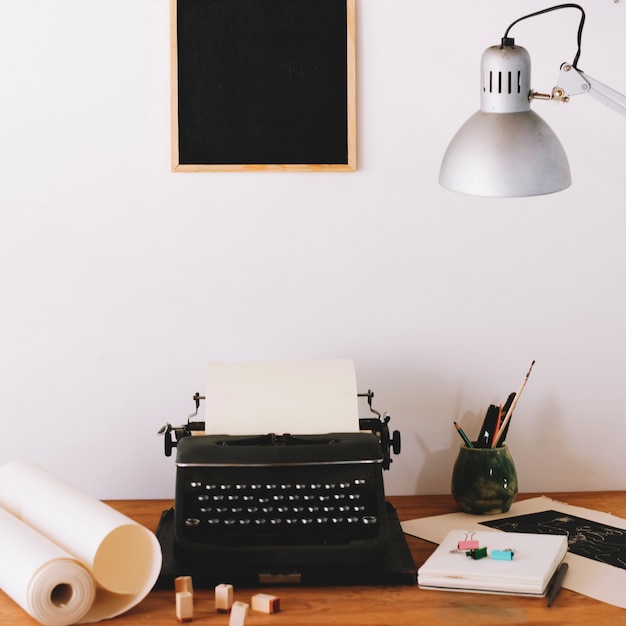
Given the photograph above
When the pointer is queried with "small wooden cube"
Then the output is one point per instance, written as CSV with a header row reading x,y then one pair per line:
x,y
265,603
238,614
223,597
184,606
183,583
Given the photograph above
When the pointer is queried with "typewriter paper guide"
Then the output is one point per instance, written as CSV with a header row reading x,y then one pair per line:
x,y
297,397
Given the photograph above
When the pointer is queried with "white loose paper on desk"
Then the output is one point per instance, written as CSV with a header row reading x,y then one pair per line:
x,y
296,397
122,558
589,577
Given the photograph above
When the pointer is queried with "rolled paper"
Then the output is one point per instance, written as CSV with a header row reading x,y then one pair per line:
x,y
43,579
123,557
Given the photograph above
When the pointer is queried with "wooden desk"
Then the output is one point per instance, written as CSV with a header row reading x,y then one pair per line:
x,y
373,606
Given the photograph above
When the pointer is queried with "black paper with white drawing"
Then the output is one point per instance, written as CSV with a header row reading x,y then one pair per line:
x,y
586,538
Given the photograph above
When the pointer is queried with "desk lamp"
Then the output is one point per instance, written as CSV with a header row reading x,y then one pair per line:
x,y
505,149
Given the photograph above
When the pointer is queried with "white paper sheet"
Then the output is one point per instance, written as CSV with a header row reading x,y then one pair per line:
x,y
123,557
528,573
297,397
591,578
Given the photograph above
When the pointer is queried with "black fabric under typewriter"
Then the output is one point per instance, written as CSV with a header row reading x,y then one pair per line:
x,y
395,566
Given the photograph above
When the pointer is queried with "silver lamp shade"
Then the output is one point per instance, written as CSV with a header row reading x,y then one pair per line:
x,y
505,149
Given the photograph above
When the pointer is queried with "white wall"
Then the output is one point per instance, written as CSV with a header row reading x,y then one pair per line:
x,y
120,280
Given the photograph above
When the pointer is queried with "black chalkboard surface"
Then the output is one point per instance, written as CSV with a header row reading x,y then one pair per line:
x,y
263,84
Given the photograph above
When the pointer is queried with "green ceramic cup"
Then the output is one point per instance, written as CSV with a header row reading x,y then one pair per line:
x,y
484,480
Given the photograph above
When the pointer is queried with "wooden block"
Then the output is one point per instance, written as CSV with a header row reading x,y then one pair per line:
x,y
238,614
265,603
183,583
223,597
184,606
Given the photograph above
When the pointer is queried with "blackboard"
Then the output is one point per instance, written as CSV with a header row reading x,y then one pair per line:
x,y
263,85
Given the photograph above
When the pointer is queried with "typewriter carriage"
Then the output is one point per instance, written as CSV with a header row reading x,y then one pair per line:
x,y
379,425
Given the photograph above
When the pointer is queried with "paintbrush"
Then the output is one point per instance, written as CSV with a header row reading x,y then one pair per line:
x,y
509,413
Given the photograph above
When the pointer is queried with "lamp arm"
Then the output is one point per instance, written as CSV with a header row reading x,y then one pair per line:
x,y
572,82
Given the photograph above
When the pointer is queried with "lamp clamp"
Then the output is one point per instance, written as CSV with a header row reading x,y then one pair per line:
x,y
573,82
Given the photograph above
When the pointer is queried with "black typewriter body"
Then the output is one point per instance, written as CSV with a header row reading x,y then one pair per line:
x,y
312,506
272,502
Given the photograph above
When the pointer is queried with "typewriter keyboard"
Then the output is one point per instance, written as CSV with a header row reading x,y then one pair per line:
x,y
278,507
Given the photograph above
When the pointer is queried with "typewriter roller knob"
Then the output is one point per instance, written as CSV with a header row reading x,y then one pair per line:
x,y
166,431
396,444
389,441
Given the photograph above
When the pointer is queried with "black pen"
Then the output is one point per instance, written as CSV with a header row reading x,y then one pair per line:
x,y
488,429
556,582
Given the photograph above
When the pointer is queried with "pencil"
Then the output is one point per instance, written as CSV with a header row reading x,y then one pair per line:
x,y
505,422
468,443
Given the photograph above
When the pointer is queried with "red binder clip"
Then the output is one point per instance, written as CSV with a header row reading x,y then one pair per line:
x,y
468,543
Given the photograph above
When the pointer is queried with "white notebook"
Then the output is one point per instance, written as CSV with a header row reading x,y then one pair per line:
x,y
536,557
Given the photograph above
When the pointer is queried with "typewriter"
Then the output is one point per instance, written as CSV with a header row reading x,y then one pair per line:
x,y
312,506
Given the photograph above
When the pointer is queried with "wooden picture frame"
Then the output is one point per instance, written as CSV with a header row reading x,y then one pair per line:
x,y
263,85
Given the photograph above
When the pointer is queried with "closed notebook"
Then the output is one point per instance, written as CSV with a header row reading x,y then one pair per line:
x,y
535,559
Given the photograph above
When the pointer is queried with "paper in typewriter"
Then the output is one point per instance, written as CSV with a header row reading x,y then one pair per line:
x,y
297,397
65,557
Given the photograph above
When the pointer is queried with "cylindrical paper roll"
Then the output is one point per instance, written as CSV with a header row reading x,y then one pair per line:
x,y
43,579
123,557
